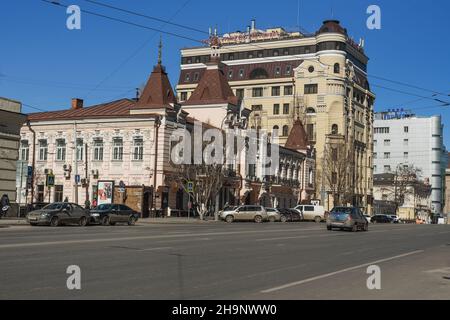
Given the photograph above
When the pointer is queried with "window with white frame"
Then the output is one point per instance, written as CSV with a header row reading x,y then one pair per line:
x,y
80,149
138,149
98,149
24,150
60,150
117,149
43,150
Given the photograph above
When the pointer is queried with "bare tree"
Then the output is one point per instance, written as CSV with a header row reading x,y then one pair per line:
x,y
337,170
406,181
207,180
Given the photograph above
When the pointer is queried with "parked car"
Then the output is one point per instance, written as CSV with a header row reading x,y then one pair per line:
x,y
381,218
290,215
59,213
313,213
246,213
367,217
274,214
110,214
395,218
348,218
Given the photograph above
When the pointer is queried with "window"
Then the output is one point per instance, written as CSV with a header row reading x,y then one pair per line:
x,y
24,150
286,108
196,76
310,111
387,155
285,131
387,143
240,93
310,88
98,149
241,73
80,149
275,91
288,70
276,129
375,142
337,68
59,192
187,78
310,132
405,155
406,129
288,90
334,129
230,74
257,92
310,69
277,71
117,149
382,130
375,169
183,96
257,107
43,150
405,142
276,109
60,150
138,149
387,169
375,155
259,73
334,154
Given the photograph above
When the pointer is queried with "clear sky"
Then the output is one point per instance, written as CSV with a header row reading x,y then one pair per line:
x,y
43,64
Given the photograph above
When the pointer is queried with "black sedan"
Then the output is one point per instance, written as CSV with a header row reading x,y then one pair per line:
x,y
59,213
382,218
290,215
110,214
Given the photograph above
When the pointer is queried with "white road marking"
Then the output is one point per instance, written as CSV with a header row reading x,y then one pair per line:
x,y
292,284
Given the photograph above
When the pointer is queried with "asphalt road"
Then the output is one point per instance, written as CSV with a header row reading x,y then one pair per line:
x,y
221,261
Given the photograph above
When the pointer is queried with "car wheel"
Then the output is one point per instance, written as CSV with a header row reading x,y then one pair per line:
x,y
54,222
105,221
229,219
131,221
112,223
83,222
366,227
271,219
33,224
318,219
355,228
258,219
283,219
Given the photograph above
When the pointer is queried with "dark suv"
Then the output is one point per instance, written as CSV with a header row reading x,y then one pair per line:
x,y
381,218
348,218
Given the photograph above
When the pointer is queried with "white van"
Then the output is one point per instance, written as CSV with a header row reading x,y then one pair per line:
x,y
310,212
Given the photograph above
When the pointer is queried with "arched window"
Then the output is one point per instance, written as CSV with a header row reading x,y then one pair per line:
x,y
276,129
334,129
337,68
310,111
259,73
285,131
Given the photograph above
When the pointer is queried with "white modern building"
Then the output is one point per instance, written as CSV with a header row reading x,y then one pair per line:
x,y
402,138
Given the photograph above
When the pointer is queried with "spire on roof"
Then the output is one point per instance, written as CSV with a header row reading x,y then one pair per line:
x,y
298,139
158,92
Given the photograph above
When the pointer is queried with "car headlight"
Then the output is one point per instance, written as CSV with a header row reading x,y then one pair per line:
x,y
45,215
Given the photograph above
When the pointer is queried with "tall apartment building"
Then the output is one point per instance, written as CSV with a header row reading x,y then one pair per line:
x,y
403,139
282,76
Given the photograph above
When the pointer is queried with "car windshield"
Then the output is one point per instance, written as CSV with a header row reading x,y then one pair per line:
x,y
341,211
271,210
229,208
104,207
53,206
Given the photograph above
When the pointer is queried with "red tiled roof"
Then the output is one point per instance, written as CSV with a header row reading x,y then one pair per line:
x,y
213,88
298,139
332,26
119,108
158,92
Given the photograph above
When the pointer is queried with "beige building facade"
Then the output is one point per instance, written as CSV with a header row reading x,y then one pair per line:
x,y
320,79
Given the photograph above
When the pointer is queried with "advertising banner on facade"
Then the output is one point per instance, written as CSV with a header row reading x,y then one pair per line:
x,y
105,192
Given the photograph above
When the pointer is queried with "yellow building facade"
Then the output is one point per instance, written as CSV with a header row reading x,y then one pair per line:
x,y
320,79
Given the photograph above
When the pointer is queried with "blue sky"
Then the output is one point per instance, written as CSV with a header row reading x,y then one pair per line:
x,y
43,64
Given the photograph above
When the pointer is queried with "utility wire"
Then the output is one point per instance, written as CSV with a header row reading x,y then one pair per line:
x,y
146,16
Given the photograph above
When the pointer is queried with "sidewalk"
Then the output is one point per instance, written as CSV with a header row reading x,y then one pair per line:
x,y
13,222
174,220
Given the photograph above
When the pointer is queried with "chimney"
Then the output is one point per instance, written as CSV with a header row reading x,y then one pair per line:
x,y
77,104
